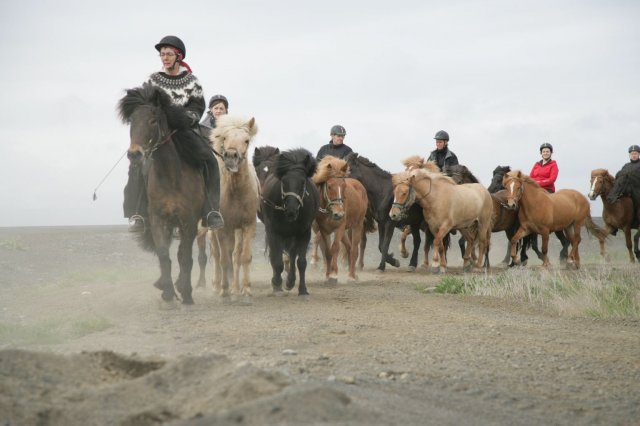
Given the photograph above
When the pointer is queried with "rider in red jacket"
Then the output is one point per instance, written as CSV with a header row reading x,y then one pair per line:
x,y
545,171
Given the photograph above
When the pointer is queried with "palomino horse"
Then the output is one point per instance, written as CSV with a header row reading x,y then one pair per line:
x,y
343,206
231,245
446,206
541,212
164,144
290,201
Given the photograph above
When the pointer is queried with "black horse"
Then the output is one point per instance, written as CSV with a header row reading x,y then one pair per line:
x,y
163,143
290,201
627,184
530,240
379,188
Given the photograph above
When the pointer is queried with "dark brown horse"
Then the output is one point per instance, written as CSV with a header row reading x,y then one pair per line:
x,y
617,215
163,143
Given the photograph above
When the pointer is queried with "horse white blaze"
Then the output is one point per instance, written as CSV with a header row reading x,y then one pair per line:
x,y
593,187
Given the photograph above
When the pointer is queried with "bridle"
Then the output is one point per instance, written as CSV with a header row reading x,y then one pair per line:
x,y
519,196
403,207
285,195
338,201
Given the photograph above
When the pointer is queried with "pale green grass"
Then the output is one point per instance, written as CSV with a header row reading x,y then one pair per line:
x,y
602,291
15,244
51,331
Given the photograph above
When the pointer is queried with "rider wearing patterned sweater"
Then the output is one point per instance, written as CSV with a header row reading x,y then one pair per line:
x,y
184,89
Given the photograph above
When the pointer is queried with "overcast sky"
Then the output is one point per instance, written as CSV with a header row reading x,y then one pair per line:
x,y
500,76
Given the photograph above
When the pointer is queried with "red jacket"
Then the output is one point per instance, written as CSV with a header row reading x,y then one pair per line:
x,y
545,175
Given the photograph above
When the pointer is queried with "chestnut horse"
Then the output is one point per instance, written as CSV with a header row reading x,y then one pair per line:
x,y
231,245
343,206
163,143
542,212
618,215
446,206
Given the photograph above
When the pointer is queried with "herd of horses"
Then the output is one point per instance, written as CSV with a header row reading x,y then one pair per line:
x,y
296,197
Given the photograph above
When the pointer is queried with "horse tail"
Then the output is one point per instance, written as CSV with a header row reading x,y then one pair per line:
x,y
370,221
600,233
145,239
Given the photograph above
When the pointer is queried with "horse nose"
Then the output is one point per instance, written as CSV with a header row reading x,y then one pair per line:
x,y
134,155
338,215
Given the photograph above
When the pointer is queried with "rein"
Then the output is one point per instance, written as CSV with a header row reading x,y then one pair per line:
x,y
284,194
162,142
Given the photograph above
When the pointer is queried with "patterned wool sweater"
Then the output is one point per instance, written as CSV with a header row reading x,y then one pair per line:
x,y
184,89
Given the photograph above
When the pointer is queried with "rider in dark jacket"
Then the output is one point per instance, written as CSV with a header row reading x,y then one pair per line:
x,y
442,156
218,105
336,146
177,80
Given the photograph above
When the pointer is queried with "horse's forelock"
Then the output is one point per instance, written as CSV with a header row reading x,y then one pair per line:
x,y
401,177
330,167
295,159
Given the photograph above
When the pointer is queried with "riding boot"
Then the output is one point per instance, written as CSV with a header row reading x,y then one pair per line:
x,y
211,216
135,199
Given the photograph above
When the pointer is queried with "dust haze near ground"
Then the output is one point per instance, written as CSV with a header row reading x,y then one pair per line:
x,y
86,340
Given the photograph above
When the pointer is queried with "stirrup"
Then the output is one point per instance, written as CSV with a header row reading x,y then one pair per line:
x,y
137,223
214,220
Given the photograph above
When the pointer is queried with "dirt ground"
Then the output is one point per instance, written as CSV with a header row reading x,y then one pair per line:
x,y
84,339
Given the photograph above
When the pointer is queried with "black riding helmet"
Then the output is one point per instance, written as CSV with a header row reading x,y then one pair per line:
x,y
546,145
219,98
338,130
442,136
172,41
634,148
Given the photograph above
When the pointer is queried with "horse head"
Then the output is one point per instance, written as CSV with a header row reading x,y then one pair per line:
x,y
513,183
264,160
403,195
149,112
600,183
496,181
231,139
621,187
330,178
293,169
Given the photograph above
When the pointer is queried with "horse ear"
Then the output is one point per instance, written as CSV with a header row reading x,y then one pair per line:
x,y
345,168
253,128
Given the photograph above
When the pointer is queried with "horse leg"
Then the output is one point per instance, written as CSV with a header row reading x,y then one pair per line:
x,y
249,233
332,272
201,240
185,260
356,234
237,260
325,245
162,239
636,250
277,264
507,255
302,263
533,243
565,245
428,242
291,275
314,253
403,238
462,244
575,243
470,246
545,248
389,228
227,243
215,259
521,232
439,263
363,245
415,233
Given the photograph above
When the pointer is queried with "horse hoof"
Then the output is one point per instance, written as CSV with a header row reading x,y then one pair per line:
x,y
466,268
352,279
379,271
331,281
187,300
167,305
404,254
435,270
410,269
395,263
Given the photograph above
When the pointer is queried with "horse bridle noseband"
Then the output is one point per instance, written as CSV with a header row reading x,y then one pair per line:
x,y
285,195
325,192
403,207
520,192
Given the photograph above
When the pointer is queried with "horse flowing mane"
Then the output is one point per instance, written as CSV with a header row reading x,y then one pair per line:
x,y
228,123
400,177
166,114
420,174
462,171
298,158
330,167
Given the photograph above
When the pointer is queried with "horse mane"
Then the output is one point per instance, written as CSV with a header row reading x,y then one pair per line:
x,y
165,112
608,177
297,158
502,170
330,167
413,162
400,177
226,123
364,161
526,179
461,170
424,173
264,153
